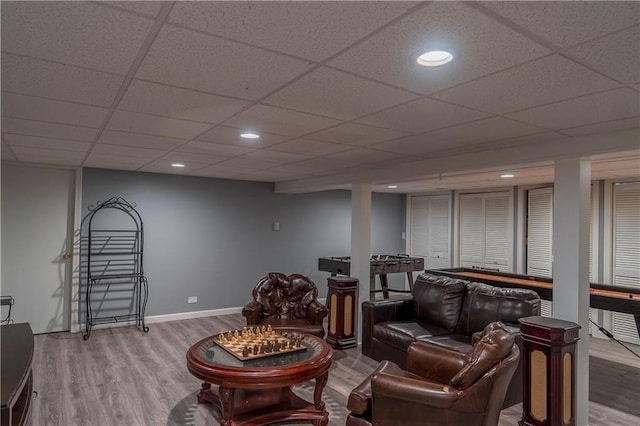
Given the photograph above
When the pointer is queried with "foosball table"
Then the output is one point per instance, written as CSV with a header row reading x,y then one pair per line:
x,y
381,265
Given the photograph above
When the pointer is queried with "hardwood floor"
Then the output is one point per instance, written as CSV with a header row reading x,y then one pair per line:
x,y
124,377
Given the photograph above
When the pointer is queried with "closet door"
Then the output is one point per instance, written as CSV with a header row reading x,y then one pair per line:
x,y
626,252
540,236
486,231
431,230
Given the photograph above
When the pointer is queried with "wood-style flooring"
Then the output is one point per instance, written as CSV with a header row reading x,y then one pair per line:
x,y
123,377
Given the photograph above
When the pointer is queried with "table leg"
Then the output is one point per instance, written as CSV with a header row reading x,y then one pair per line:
x,y
410,278
385,285
321,381
205,391
637,318
226,402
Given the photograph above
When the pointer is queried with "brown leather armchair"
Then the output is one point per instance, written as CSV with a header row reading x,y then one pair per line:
x,y
440,386
286,303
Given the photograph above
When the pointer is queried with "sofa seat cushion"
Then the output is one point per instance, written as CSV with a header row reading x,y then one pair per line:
x,y
437,300
457,342
400,334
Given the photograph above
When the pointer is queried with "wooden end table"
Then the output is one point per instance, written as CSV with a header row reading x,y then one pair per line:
x,y
258,392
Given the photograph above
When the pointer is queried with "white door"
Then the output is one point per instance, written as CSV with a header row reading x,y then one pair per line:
x,y
37,224
430,230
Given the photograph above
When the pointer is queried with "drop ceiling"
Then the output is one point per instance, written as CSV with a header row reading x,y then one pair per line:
x,y
333,89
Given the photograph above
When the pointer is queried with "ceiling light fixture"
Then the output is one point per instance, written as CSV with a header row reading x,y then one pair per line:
x,y
250,135
507,175
177,165
435,58
392,186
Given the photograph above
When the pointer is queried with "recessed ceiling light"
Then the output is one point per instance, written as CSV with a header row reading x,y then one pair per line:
x,y
435,58
507,175
250,135
177,165
392,186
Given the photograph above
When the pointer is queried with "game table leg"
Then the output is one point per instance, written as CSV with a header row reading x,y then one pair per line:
x,y
321,382
226,404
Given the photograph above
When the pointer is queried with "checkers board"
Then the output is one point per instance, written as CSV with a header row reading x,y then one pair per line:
x,y
235,343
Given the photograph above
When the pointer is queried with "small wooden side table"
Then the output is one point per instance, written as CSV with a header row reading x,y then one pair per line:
x,y
549,361
341,301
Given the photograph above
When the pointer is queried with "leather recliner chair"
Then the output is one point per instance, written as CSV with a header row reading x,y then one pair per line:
x,y
286,302
440,386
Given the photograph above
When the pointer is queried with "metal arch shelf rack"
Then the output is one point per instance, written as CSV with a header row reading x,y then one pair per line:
x,y
114,264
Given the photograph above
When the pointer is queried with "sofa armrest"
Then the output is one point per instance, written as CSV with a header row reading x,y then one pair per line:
x,y
434,362
423,392
380,311
316,312
512,328
252,312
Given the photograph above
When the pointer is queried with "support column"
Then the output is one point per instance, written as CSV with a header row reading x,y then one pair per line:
x,y
571,203
361,244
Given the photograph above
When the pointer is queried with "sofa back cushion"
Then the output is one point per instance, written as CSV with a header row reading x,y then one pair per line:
x,y
494,345
437,300
484,304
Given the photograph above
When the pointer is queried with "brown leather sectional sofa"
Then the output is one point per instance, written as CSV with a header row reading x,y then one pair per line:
x,y
446,312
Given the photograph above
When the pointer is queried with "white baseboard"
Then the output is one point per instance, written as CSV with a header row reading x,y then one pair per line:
x,y
171,317
175,317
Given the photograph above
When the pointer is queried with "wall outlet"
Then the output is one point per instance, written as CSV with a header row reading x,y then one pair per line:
x,y
276,226
192,299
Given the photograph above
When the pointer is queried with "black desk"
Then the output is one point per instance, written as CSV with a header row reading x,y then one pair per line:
x,y
17,379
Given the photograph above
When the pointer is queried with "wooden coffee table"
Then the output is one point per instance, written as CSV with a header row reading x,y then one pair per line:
x,y
258,392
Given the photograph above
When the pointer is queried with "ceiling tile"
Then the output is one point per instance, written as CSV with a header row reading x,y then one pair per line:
x,y
604,106
188,157
148,8
137,140
327,163
217,171
20,106
611,126
336,94
310,147
617,55
489,129
568,23
364,155
164,166
314,30
84,34
546,80
479,45
19,126
423,115
109,161
355,134
56,81
248,163
231,136
174,102
417,145
524,140
209,148
153,125
198,61
47,143
48,156
275,156
127,151
263,118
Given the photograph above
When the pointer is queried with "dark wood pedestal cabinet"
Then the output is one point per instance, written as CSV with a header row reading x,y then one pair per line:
x,y
341,300
549,361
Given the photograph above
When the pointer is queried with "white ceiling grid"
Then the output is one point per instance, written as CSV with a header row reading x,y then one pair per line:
x,y
332,87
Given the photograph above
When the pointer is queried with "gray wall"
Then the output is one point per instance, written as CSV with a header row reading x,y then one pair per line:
x,y
213,238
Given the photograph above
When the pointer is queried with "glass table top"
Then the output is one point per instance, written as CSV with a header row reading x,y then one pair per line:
x,y
210,352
